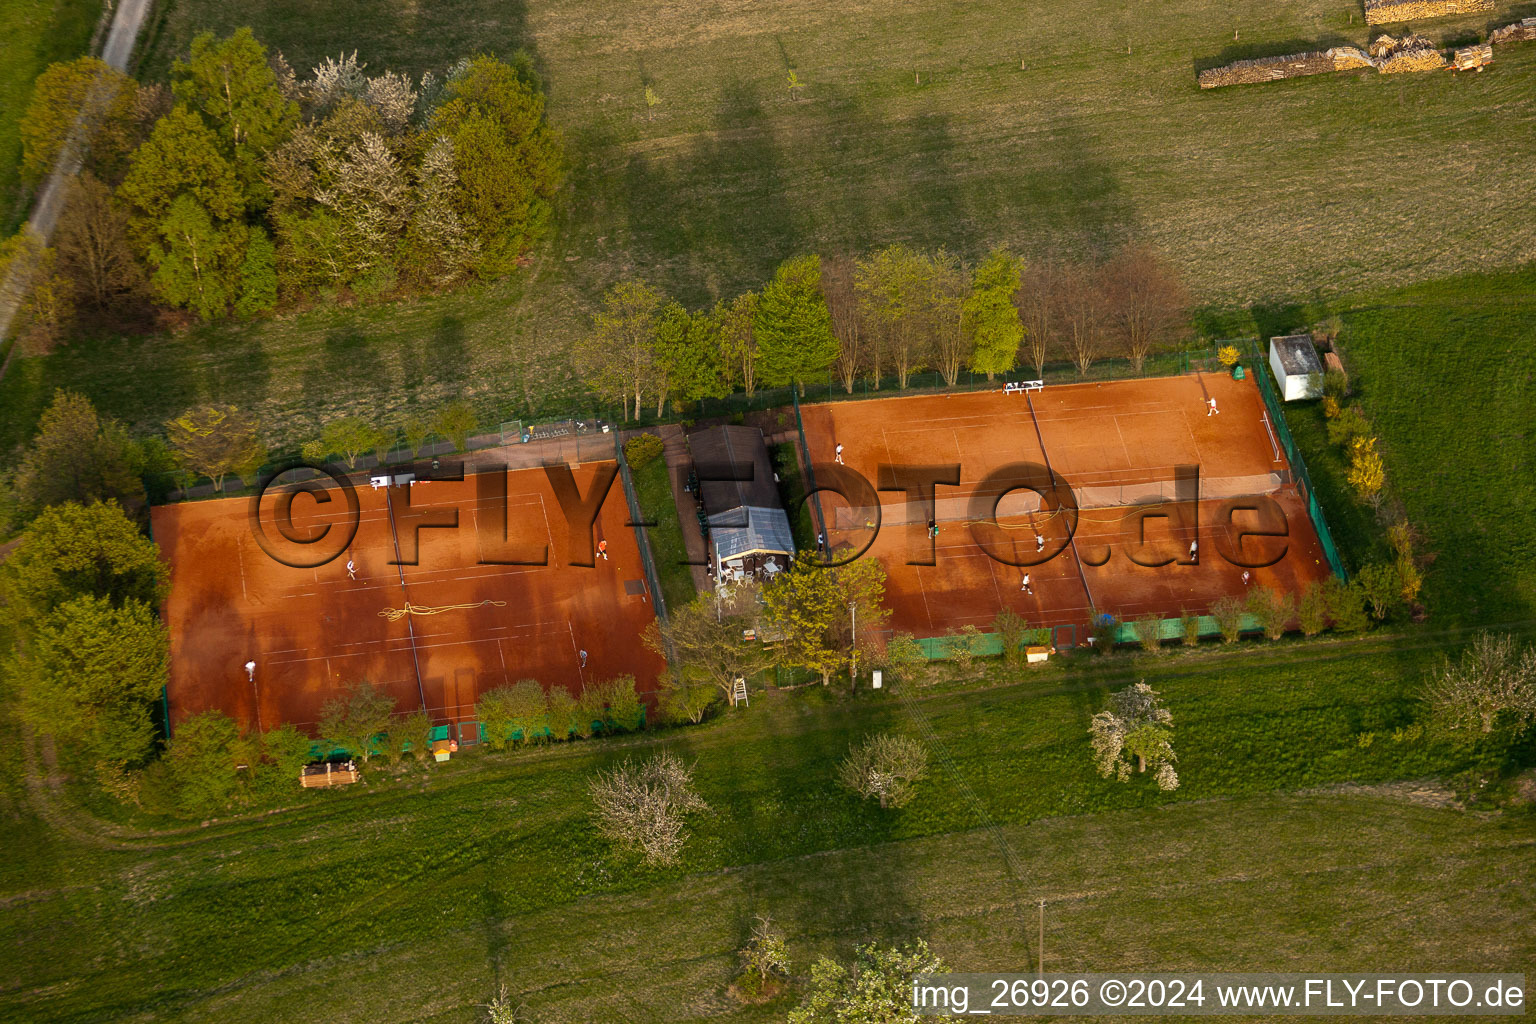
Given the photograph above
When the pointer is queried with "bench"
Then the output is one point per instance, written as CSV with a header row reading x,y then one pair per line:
x,y
1018,387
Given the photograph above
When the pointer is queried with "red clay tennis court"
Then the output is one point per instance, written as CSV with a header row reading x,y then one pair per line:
x,y
1118,445
314,631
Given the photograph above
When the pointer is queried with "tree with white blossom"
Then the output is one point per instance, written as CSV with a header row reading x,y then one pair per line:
x,y
1137,731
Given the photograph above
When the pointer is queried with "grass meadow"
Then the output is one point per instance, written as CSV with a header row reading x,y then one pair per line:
x,y
1445,372
415,897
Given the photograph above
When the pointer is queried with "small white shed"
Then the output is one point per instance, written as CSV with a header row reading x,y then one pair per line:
x,y
1296,367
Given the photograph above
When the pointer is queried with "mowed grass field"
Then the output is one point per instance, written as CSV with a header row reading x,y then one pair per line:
x,y
1061,128
413,899
36,33
1444,371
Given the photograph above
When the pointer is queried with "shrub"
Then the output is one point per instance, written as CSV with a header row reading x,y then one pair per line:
x,y
1400,535
284,753
529,711
1379,588
1313,612
1228,613
502,1010
202,759
1273,609
1106,630
1189,627
313,451
495,710
642,449
591,713
1012,630
1367,473
562,713
416,732
764,962
961,646
904,656
686,699
884,767
1349,424
456,421
1229,355
643,806
1346,606
1409,579
625,708
1149,633
1335,386
1330,406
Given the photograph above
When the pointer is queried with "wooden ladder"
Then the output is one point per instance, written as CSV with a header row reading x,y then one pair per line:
x,y
739,692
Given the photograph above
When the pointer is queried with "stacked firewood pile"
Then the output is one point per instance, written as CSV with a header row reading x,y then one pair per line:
x,y
1410,53
1388,54
1291,65
1382,12
1472,58
1520,32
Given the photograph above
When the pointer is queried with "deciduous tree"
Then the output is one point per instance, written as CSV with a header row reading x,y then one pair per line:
x,y
1080,314
350,437
85,94
351,721
738,342
644,806
196,260
215,440
231,84
1136,731
894,285
182,156
78,456
991,320
90,671
885,767
810,607
1145,301
618,357
876,988
72,551
1494,680
687,357
703,641
1037,304
93,246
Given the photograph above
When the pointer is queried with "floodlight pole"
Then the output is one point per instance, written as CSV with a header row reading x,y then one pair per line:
x,y
853,662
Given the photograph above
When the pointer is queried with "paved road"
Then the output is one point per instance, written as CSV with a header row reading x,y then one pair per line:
x,y
121,38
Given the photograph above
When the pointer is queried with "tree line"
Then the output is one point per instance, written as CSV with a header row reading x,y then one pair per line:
x,y
244,184
894,313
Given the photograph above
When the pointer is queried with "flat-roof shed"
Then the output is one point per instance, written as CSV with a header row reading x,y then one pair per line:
x,y
748,530
1293,359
